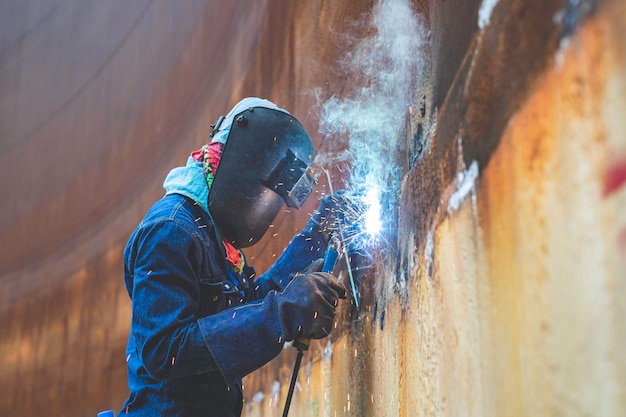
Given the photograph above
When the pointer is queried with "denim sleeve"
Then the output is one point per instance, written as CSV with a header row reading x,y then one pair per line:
x,y
304,248
165,301
172,341
244,338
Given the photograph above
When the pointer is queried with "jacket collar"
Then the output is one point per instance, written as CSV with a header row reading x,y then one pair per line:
x,y
188,181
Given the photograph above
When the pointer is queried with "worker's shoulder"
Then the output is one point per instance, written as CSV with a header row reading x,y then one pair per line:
x,y
173,208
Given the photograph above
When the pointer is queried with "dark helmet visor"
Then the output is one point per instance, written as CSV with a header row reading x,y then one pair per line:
x,y
290,180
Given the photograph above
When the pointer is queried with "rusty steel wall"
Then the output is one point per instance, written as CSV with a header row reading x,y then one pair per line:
x,y
511,228
500,289
98,101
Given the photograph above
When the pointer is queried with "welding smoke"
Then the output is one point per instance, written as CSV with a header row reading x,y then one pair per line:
x,y
368,124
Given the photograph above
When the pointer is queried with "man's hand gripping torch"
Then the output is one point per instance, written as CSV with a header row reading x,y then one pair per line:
x,y
300,343
335,247
330,260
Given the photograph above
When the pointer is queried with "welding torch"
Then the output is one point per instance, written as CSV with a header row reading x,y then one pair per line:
x,y
300,343
335,246
330,260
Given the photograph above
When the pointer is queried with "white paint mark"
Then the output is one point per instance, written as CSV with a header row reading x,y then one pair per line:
x,y
466,180
258,397
559,56
275,389
327,353
557,19
484,13
308,370
428,252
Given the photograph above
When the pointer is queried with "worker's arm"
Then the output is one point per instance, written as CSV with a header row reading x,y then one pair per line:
x,y
244,338
172,341
305,247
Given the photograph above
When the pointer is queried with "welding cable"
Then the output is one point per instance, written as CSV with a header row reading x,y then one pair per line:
x,y
294,379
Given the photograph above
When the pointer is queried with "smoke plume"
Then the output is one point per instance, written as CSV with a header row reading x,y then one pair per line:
x,y
368,123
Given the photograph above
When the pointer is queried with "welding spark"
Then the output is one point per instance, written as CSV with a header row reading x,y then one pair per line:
x,y
369,124
371,219
362,218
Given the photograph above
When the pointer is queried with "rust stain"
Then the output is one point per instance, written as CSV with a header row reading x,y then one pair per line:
x,y
510,317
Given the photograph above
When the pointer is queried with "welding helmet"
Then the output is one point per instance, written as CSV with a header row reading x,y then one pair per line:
x,y
264,165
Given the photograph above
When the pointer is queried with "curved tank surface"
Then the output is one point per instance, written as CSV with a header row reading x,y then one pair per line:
x,y
491,131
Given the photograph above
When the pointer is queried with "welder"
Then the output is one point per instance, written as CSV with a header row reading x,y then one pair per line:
x,y
201,318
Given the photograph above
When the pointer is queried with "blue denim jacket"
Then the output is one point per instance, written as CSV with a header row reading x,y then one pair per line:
x,y
197,328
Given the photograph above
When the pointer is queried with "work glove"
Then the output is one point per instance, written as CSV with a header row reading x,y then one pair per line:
x,y
245,338
329,215
311,243
315,266
306,307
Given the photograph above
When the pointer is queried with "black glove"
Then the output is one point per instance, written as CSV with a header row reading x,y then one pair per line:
x,y
305,308
315,266
307,305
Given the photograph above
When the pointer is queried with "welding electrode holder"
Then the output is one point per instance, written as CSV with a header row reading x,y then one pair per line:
x,y
330,260
300,343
